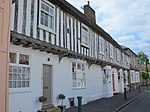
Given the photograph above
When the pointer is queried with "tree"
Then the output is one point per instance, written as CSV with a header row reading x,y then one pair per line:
x,y
142,58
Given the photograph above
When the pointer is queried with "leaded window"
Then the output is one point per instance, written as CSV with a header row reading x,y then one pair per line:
x,y
78,75
19,70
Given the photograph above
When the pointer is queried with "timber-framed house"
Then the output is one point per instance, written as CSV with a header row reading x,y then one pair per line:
x,y
56,49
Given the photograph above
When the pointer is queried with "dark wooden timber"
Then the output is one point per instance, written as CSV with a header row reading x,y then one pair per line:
x,y
36,44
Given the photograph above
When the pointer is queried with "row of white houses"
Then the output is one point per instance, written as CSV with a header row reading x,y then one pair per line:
x,y
55,49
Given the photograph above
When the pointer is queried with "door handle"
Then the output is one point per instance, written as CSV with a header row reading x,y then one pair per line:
x,y
45,87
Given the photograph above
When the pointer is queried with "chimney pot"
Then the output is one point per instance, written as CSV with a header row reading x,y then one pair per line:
x,y
88,3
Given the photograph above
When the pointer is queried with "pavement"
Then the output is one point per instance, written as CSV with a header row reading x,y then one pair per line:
x,y
112,104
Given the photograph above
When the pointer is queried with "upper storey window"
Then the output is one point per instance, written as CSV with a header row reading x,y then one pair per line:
x,y
101,45
118,55
85,36
47,16
111,50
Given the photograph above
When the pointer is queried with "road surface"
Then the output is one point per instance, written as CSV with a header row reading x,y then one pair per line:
x,y
140,104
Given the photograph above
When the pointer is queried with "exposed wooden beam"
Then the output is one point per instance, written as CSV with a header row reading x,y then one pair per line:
x,y
62,55
36,44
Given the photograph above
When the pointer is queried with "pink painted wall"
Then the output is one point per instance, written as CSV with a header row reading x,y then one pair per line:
x,y
5,6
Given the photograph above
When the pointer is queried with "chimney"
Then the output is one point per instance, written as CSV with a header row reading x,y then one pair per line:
x,y
89,12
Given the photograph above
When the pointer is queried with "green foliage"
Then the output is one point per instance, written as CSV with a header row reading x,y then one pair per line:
x,y
42,99
61,96
144,74
142,58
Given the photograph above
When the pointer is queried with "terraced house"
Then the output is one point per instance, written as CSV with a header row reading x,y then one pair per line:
x,y
134,71
56,49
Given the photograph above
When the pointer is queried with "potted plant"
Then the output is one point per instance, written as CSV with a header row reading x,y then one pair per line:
x,y
62,97
42,99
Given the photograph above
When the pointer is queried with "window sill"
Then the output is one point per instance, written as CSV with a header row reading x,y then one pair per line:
x,y
111,57
46,28
102,53
19,90
78,88
83,45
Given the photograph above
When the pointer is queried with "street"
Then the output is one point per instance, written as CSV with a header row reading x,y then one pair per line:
x,y
140,104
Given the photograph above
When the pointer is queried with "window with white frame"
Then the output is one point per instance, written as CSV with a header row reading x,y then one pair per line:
x,y
106,76
131,76
137,77
101,45
78,75
118,55
119,77
123,57
85,36
127,62
19,71
111,50
47,16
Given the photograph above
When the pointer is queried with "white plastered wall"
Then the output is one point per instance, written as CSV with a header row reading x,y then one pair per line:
x,y
61,81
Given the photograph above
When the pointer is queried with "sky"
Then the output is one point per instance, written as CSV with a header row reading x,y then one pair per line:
x,y
127,21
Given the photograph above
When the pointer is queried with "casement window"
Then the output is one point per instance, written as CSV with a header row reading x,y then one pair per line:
x,y
125,77
46,16
111,50
101,45
19,71
118,55
127,62
123,58
131,76
120,76
85,36
106,76
78,75
138,77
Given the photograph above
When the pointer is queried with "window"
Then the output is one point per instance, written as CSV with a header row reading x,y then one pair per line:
x,y
106,76
47,16
131,76
127,63
118,55
123,58
85,37
78,75
101,45
19,71
111,50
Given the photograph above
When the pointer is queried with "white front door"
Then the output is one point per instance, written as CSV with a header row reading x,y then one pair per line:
x,y
47,90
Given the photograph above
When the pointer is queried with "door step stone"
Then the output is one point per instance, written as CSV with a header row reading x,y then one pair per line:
x,y
54,109
48,106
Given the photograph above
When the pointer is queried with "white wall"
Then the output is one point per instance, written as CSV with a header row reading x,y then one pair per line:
x,y
94,82
62,82
114,70
121,82
107,89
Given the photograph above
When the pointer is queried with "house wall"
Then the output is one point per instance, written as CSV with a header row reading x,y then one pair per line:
x,y
61,81
94,83
67,31
116,83
107,89
4,43
121,81
67,34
